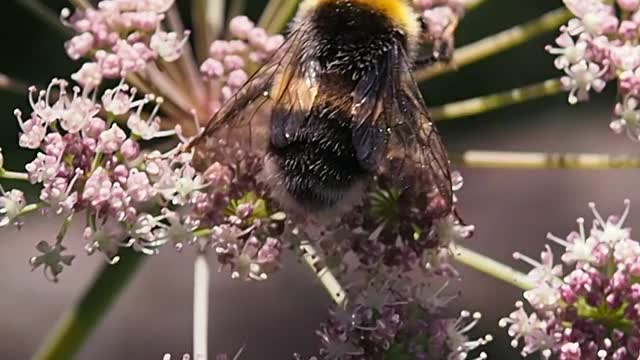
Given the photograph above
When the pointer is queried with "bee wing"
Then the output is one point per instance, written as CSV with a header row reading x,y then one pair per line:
x,y
389,99
244,118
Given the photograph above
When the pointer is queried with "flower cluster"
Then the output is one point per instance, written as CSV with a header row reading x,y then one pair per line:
x,y
120,37
89,162
590,309
599,45
397,319
225,68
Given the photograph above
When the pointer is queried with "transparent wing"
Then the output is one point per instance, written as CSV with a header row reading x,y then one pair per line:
x,y
414,155
245,117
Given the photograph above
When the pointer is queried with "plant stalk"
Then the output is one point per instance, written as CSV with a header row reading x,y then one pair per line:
x,y
540,160
201,281
13,175
324,274
79,322
497,43
490,267
492,102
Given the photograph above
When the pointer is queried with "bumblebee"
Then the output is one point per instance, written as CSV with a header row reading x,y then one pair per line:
x,y
343,109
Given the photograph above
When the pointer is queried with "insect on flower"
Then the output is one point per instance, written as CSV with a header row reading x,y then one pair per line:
x,y
343,108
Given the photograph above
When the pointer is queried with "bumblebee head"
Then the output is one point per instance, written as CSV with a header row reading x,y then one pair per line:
x,y
400,13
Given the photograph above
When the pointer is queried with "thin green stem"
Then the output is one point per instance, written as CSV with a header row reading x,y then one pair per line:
x,y
269,12
208,21
491,102
491,267
472,4
45,14
283,16
323,273
78,323
540,160
13,175
277,14
236,8
64,229
497,43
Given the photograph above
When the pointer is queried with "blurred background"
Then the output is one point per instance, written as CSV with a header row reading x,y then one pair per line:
x,y
512,210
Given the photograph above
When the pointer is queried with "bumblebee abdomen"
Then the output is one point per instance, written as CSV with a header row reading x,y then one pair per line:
x,y
317,160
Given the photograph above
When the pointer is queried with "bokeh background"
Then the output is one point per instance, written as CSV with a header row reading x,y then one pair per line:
x,y
512,210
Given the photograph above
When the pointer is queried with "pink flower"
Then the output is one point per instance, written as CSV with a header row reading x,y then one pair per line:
x,y
111,140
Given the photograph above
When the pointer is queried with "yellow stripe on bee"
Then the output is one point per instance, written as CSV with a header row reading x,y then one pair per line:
x,y
400,12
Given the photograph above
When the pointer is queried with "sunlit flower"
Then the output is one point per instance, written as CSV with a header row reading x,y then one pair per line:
x,y
587,311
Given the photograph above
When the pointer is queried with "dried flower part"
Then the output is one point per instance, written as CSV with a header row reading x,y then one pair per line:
x,y
585,307
52,260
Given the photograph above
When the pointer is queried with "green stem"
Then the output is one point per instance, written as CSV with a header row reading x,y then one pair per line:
x,y
491,102
13,175
66,339
540,160
236,8
208,21
472,4
491,267
323,273
31,208
277,14
497,43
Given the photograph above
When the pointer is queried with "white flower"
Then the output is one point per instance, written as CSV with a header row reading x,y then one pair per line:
x,y
168,45
543,272
107,239
582,78
78,113
458,340
11,205
529,328
178,232
33,131
111,140
59,196
578,248
150,128
569,53
627,117
626,250
119,100
43,168
139,187
611,231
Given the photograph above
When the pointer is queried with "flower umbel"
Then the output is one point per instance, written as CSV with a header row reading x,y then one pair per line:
x,y
589,309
